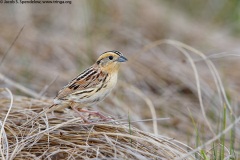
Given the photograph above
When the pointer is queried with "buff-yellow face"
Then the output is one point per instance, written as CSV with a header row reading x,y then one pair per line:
x,y
110,61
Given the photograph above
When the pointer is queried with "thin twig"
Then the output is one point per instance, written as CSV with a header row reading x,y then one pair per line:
x,y
5,54
149,104
43,91
3,124
146,120
18,86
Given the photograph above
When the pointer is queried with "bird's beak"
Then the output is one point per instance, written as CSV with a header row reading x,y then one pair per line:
x,y
122,59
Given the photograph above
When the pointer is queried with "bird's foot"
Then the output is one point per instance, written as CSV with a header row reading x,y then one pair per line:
x,y
82,116
103,117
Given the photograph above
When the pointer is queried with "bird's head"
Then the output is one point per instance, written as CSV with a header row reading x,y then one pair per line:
x,y
110,61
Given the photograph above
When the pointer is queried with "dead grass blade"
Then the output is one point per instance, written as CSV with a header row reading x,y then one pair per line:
x,y
63,136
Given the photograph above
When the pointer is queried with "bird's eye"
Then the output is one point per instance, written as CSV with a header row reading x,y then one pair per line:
x,y
110,57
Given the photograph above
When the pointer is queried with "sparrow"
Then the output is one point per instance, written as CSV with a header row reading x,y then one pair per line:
x,y
90,87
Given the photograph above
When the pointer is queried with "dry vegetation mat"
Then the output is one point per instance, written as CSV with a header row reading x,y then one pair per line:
x,y
60,135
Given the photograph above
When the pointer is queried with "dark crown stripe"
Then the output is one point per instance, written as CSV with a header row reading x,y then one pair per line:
x,y
114,51
117,52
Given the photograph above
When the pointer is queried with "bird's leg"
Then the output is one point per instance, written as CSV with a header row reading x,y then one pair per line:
x,y
74,107
94,113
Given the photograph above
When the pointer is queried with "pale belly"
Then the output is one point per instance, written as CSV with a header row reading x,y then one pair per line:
x,y
93,97
101,94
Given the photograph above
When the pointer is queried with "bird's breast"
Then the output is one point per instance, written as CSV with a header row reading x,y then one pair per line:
x,y
98,94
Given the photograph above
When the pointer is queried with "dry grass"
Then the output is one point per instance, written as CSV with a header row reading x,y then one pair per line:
x,y
162,79
62,136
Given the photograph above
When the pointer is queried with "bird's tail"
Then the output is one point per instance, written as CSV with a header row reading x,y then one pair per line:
x,y
45,110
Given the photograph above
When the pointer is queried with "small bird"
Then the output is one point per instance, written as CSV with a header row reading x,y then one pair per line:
x,y
89,87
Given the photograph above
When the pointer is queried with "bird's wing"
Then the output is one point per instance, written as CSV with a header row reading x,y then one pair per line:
x,y
92,77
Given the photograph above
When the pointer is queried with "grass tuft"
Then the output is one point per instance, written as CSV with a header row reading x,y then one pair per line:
x,y
63,136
